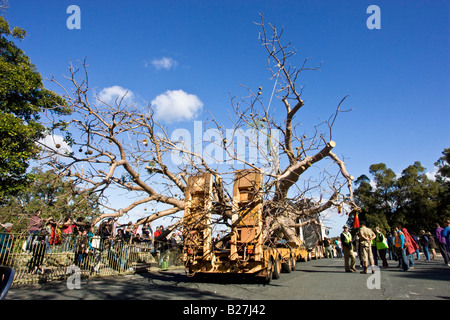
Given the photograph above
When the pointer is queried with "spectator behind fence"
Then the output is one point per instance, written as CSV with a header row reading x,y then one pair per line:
x,y
34,226
68,225
6,241
38,248
54,231
106,228
82,246
157,232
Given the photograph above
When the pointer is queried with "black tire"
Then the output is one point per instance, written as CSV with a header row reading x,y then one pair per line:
x,y
287,266
276,269
294,264
269,273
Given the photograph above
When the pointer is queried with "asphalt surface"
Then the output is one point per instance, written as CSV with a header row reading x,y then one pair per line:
x,y
322,279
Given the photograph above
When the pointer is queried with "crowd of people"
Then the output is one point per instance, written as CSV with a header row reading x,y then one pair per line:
x,y
79,237
370,245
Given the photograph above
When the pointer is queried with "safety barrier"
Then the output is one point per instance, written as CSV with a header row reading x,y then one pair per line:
x,y
37,261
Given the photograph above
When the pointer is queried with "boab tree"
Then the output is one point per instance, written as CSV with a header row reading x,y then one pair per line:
x,y
122,146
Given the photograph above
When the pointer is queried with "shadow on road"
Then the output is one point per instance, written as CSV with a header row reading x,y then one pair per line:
x,y
213,278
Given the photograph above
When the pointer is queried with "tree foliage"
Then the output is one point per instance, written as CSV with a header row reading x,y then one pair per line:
x,y
22,99
412,199
443,177
55,196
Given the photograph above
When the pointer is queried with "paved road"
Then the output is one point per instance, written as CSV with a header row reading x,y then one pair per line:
x,y
313,280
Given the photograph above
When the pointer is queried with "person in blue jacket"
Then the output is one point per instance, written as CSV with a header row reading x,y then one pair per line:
x,y
401,248
446,233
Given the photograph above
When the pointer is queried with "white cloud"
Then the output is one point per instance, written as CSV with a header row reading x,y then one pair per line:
x,y
432,175
176,105
164,63
110,94
57,143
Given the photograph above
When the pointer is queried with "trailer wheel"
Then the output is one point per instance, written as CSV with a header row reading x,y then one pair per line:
x,y
293,264
276,269
269,272
287,266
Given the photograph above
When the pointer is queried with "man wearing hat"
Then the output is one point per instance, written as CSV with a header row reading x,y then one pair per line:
x,y
346,240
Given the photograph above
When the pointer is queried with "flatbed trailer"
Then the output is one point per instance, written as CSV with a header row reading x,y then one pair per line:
x,y
242,251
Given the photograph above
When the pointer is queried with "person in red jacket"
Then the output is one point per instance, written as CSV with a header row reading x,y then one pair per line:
x,y
411,247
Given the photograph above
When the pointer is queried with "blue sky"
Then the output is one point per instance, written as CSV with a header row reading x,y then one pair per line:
x,y
396,77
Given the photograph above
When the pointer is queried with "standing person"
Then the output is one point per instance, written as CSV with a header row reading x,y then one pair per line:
x,y
382,245
157,232
401,248
357,246
34,227
442,243
446,233
105,230
424,242
68,234
55,232
337,246
417,251
433,245
6,242
156,243
347,246
82,246
411,247
366,236
390,240
36,221
328,250
36,264
373,246
120,250
106,233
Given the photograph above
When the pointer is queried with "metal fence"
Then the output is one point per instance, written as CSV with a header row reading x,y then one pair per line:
x,y
35,260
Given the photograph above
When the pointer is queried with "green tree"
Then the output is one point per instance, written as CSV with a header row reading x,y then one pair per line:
x,y
57,197
412,200
22,99
443,177
418,198
377,205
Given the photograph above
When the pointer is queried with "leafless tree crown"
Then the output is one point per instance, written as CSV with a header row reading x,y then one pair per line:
x,y
120,146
